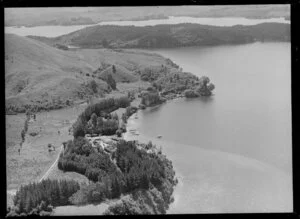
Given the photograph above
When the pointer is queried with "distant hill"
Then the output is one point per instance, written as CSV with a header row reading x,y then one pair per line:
x,y
45,77
90,15
166,36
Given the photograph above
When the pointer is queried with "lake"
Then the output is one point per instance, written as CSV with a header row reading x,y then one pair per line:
x,y
232,151
54,31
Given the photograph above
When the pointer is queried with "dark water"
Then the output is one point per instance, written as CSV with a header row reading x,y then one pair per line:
x,y
250,113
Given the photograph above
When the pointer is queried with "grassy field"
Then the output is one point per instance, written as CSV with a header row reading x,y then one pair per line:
x,y
34,159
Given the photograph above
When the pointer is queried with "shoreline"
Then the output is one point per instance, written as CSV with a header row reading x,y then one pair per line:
x,y
177,153
128,135
200,188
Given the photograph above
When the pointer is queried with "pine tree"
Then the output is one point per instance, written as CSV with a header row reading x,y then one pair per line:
x,y
28,203
111,82
94,120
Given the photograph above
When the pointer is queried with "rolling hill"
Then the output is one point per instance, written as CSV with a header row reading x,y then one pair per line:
x,y
90,15
43,77
167,36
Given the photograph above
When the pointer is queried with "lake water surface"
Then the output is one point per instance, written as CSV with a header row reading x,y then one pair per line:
x,y
232,151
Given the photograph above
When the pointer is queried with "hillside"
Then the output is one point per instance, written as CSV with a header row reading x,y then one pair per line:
x,y
43,77
166,36
90,15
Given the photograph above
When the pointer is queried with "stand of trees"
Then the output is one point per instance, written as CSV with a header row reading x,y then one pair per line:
x,y
48,192
205,88
102,121
151,98
133,169
80,157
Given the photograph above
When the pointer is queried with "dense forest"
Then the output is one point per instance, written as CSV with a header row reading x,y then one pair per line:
x,y
128,168
167,36
36,197
125,170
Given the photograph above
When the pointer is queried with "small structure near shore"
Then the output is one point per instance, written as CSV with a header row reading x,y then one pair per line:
x,y
107,143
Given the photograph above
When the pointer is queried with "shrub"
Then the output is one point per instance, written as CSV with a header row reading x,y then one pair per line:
x,y
119,133
190,94
142,106
33,133
124,117
151,98
93,86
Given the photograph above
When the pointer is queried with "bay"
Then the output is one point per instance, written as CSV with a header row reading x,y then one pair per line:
x,y
232,152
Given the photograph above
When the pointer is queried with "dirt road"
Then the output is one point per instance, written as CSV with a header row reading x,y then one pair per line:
x,y
52,166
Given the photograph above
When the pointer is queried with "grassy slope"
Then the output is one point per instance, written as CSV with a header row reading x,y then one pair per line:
x,y
35,72
162,36
38,74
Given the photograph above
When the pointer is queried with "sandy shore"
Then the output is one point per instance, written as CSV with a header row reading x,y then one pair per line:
x,y
211,181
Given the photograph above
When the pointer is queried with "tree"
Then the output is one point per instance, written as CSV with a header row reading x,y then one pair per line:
x,y
211,87
115,116
26,125
111,82
124,117
78,129
205,87
119,133
94,86
23,135
99,124
204,80
94,120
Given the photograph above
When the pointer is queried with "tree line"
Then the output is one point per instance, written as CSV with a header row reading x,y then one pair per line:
x,y
101,109
50,192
